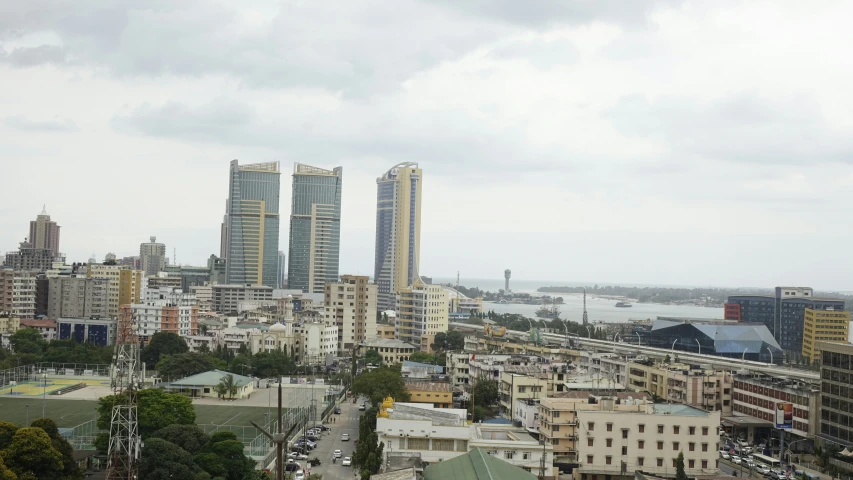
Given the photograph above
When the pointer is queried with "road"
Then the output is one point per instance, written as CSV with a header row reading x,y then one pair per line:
x,y
346,422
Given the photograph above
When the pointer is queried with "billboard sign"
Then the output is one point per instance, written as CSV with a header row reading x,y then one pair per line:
x,y
784,415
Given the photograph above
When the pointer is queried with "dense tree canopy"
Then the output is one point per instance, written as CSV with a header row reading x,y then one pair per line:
x,y
486,392
175,367
385,381
372,357
368,453
70,469
156,410
188,437
163,343
222,456
31,454
162,460
449,341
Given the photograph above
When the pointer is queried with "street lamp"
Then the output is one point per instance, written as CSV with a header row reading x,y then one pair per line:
x,y
28,414
673,348
771,354
588,331
44,393
700,345
743,357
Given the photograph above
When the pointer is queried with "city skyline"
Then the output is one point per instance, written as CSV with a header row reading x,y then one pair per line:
x,y
674,143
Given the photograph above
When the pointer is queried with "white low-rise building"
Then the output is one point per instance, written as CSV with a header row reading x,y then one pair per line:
x,y
441,434
616,443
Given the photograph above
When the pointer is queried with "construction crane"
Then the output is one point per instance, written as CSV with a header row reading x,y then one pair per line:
x,y
125,442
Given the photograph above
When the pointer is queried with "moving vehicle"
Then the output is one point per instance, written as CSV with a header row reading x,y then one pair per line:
x,y
771,462
338,454
338,410
345,437
725,455
347,462
299,476
297,456
763,469
362,407
292,467
736,460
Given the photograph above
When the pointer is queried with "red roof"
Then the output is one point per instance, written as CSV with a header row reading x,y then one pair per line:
x,y
38,323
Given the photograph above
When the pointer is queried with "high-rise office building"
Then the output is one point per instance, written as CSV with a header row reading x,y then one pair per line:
x,y
251,224
398,231
152,256
315,228
44,233
282,269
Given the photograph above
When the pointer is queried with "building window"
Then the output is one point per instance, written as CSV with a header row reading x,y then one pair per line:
x,y
704,430
624,450
609,427
674,461
691,446
691,463
660,445
642,427
704,447
704,464
660,429
609,442
417,444
590,426
526,456
624,433
641,444
660,462
509,454
608,460
692,430
589,459
675,429
675,446
640,461
590,442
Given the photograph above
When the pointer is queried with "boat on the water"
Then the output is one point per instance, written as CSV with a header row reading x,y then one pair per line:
x,y
623,304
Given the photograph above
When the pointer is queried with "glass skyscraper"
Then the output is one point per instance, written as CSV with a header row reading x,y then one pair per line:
x,y
398,231
250,228
315,228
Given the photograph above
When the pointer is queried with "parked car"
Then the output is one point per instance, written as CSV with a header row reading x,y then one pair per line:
x,y
736,460
338,454
299,476
725,455
322,428
763,469
347,462
345,437
297,456
338,410
362,407
292,467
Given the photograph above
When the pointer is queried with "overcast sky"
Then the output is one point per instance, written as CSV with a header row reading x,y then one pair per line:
x,y
629,141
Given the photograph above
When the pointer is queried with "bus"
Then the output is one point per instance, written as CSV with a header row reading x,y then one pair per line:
x,y
771,462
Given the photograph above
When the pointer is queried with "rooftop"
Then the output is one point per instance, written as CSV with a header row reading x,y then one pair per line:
x,y
476,465
385,343
42,323
410,364
429,387
209,378
436,416
677,409
404,474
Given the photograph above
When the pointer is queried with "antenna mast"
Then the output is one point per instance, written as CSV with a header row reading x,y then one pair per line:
x,y
125,443
585,316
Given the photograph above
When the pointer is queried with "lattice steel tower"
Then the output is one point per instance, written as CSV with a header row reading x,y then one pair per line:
x,y
125,442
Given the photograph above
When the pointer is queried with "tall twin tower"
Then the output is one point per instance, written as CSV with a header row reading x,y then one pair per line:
x,y
250,229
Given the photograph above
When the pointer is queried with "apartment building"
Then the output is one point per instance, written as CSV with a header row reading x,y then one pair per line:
x,y
558,422
100,332
385,331
204,297
436,394
351,306
392,351
421,314
316,341
164,310
112,273
226,298
823,325
9,324
29,258
615,443
46,327
436,435
682,383
836,374
77,297
17,293
532,384
131,286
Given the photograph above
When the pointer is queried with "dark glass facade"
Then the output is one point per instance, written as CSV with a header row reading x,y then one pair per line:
x,y
836,393
749,342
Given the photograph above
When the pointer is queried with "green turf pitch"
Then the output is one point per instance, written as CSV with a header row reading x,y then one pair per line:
x,y
69,413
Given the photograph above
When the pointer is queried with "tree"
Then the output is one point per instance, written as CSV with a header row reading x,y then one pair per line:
x,y
241,364
5,473
7,432
188,437
372,357
423,357
70,469
174,367
272,364
27,340
679,467
163,460
163,343
227,386
486,392
385,381
31,453
449,341
156,409
223,456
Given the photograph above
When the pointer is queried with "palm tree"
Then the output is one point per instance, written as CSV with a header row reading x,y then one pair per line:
x,y
227,386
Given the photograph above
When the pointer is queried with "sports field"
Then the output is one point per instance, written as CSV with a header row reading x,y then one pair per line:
x,y
69,413
40,387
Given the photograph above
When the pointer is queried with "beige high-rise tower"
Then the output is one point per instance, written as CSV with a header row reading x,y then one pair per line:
x,y
44,233
351,305
398,231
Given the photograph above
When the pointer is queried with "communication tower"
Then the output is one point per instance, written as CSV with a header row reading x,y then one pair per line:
x,y
507,274
585,316
125,443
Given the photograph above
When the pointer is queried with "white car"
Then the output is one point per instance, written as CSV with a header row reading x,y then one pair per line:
x,y
299,476
736,460
763,469
345,437
338,454
297,456
725,455
347,462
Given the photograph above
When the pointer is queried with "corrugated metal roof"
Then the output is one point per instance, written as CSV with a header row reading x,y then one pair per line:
x,y
210,378
476,465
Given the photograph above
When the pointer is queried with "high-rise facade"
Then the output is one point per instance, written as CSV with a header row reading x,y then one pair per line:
x,y
423,313
282,269
398,231
826,326
44,233
77,297
152,256
17,293
315,228
836,371
251,224
351,306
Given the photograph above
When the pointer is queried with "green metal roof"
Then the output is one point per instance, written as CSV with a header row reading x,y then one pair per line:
x,y
476,465
210,378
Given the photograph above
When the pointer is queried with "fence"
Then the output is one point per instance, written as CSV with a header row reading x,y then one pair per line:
x,y
82,437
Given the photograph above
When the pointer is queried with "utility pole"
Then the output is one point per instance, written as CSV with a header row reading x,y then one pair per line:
x,y
278,438
125,442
